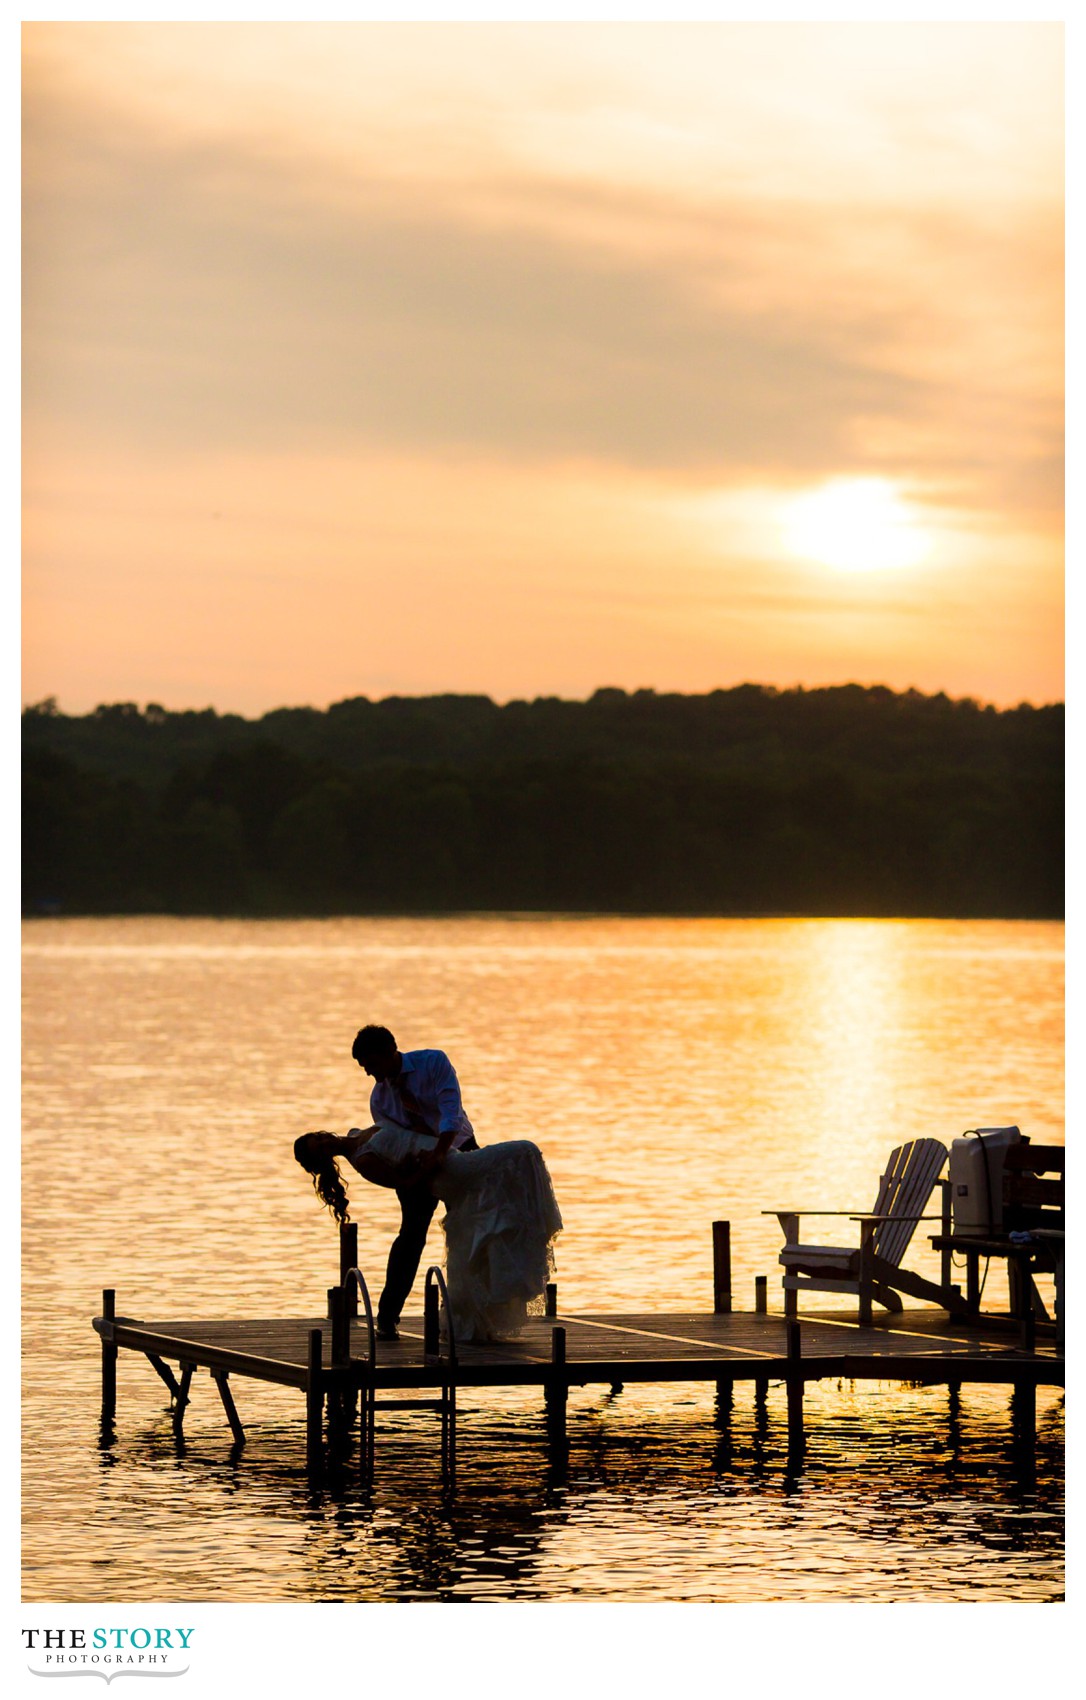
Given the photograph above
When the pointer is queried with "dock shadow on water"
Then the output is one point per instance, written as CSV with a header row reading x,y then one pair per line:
x,y
763,1064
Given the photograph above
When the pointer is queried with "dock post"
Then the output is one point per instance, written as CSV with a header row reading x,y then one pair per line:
x,y
182,1402
1024,1431
348,1259
761,1302
340,1401
109,1357
1024,1415
722,1297
722,1268
339,1318
795,1389
972,1282
1022,1293
552,1298
1058,1279
557,1387
221,1379
314,1403
165,1372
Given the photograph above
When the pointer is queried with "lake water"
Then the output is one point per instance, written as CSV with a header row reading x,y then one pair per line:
x,y
673,1071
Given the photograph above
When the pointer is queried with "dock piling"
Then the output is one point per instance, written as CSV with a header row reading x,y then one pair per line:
x,y
761,1300
221,1379
722,1268
557,1390
348,1259
1022,1298
339,1317
795,1389
164,1370
109,1357
314,1403
552,1299
1024,1415
181,1404
340,1399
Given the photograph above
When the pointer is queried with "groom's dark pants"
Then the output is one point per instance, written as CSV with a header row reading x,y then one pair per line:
x,y
417,1206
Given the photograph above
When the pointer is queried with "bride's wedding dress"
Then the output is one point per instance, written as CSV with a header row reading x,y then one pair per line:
x,y
501,1220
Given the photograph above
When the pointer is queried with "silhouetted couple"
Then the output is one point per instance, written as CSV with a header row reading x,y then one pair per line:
x,y
501,1216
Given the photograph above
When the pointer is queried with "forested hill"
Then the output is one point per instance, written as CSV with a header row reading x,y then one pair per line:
x,y
844,801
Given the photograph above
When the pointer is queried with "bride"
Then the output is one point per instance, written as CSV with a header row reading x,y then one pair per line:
x,y
501,1215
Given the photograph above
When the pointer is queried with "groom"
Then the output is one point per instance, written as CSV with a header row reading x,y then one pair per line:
x,y
417,1090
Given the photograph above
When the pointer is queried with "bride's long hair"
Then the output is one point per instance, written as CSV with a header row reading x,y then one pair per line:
x,y
325,1173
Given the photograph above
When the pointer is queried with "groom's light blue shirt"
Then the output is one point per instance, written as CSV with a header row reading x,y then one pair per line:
x,y
431,1079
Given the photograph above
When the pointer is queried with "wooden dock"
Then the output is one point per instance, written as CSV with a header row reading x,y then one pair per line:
x,y
346,1375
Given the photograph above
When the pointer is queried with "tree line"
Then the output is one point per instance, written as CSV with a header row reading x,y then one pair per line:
x,y
843,801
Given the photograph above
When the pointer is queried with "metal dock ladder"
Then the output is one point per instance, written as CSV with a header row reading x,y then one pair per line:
x,y
342,1304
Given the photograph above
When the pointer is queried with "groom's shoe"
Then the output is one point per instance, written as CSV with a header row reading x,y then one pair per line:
x,y
387,1331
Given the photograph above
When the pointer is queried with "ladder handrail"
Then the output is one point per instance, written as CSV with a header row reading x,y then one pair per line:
x,y
435,1277
355,1274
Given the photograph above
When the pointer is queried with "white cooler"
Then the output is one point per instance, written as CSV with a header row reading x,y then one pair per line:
x,y
976,1179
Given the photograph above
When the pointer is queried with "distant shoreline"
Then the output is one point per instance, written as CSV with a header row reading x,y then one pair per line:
x,y
515,915
844,801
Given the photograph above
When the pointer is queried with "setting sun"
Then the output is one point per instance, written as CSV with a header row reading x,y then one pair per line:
x,y
856,524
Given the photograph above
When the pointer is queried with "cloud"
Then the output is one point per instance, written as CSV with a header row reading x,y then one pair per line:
x,y
183,292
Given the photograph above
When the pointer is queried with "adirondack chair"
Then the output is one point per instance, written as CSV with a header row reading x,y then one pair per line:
x,y
872,1269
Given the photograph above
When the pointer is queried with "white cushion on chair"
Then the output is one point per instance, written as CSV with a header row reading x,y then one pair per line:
x,y
820,1255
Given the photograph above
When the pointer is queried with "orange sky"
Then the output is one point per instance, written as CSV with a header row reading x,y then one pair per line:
x,y
524,359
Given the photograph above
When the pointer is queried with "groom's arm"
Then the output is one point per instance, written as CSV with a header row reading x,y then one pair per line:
x,y
450,1106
